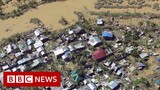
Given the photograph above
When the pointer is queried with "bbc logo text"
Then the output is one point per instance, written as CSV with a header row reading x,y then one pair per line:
x,y
31,79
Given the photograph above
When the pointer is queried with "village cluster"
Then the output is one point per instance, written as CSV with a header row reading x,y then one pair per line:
x,y
30,52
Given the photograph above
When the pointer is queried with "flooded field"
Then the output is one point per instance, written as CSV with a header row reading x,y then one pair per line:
x,y
51,13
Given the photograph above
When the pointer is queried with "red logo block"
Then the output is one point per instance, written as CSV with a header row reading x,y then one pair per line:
x,y
31,79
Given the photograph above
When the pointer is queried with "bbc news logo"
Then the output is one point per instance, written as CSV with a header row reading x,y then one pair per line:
x,y
31,79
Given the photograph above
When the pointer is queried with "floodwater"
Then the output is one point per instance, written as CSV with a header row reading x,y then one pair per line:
x,y
51,13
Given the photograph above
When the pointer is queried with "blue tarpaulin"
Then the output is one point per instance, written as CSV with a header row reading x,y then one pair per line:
x,y
107,34
158,59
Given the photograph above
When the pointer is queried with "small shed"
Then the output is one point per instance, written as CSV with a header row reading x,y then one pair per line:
x,y
30,42
100,21
8,48
37,32
143,55
5,67
43,38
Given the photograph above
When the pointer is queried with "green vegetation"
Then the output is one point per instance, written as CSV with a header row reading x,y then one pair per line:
x,y
137,4
143,81
156,6
11,39
63,21
111,14
131,37
35,21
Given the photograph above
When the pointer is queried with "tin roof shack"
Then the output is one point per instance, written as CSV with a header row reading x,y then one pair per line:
x,y
79,30
30,42
71,48
25,59
58,52
11,48
41,51
38,32
79,46
120,72
21,68
5,67
19,55
70,32
140,66
94,41
99,70
70,84
128,50
8,48
90,72
43,38
38,43
114,85
37,62
107,64
92,86
89,86
100,22
66,56
144,56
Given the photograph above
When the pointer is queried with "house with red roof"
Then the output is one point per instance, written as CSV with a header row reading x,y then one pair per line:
x,y
99,54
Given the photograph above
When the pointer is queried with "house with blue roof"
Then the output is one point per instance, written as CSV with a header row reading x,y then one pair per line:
x,y
158,59
107,35
157,82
